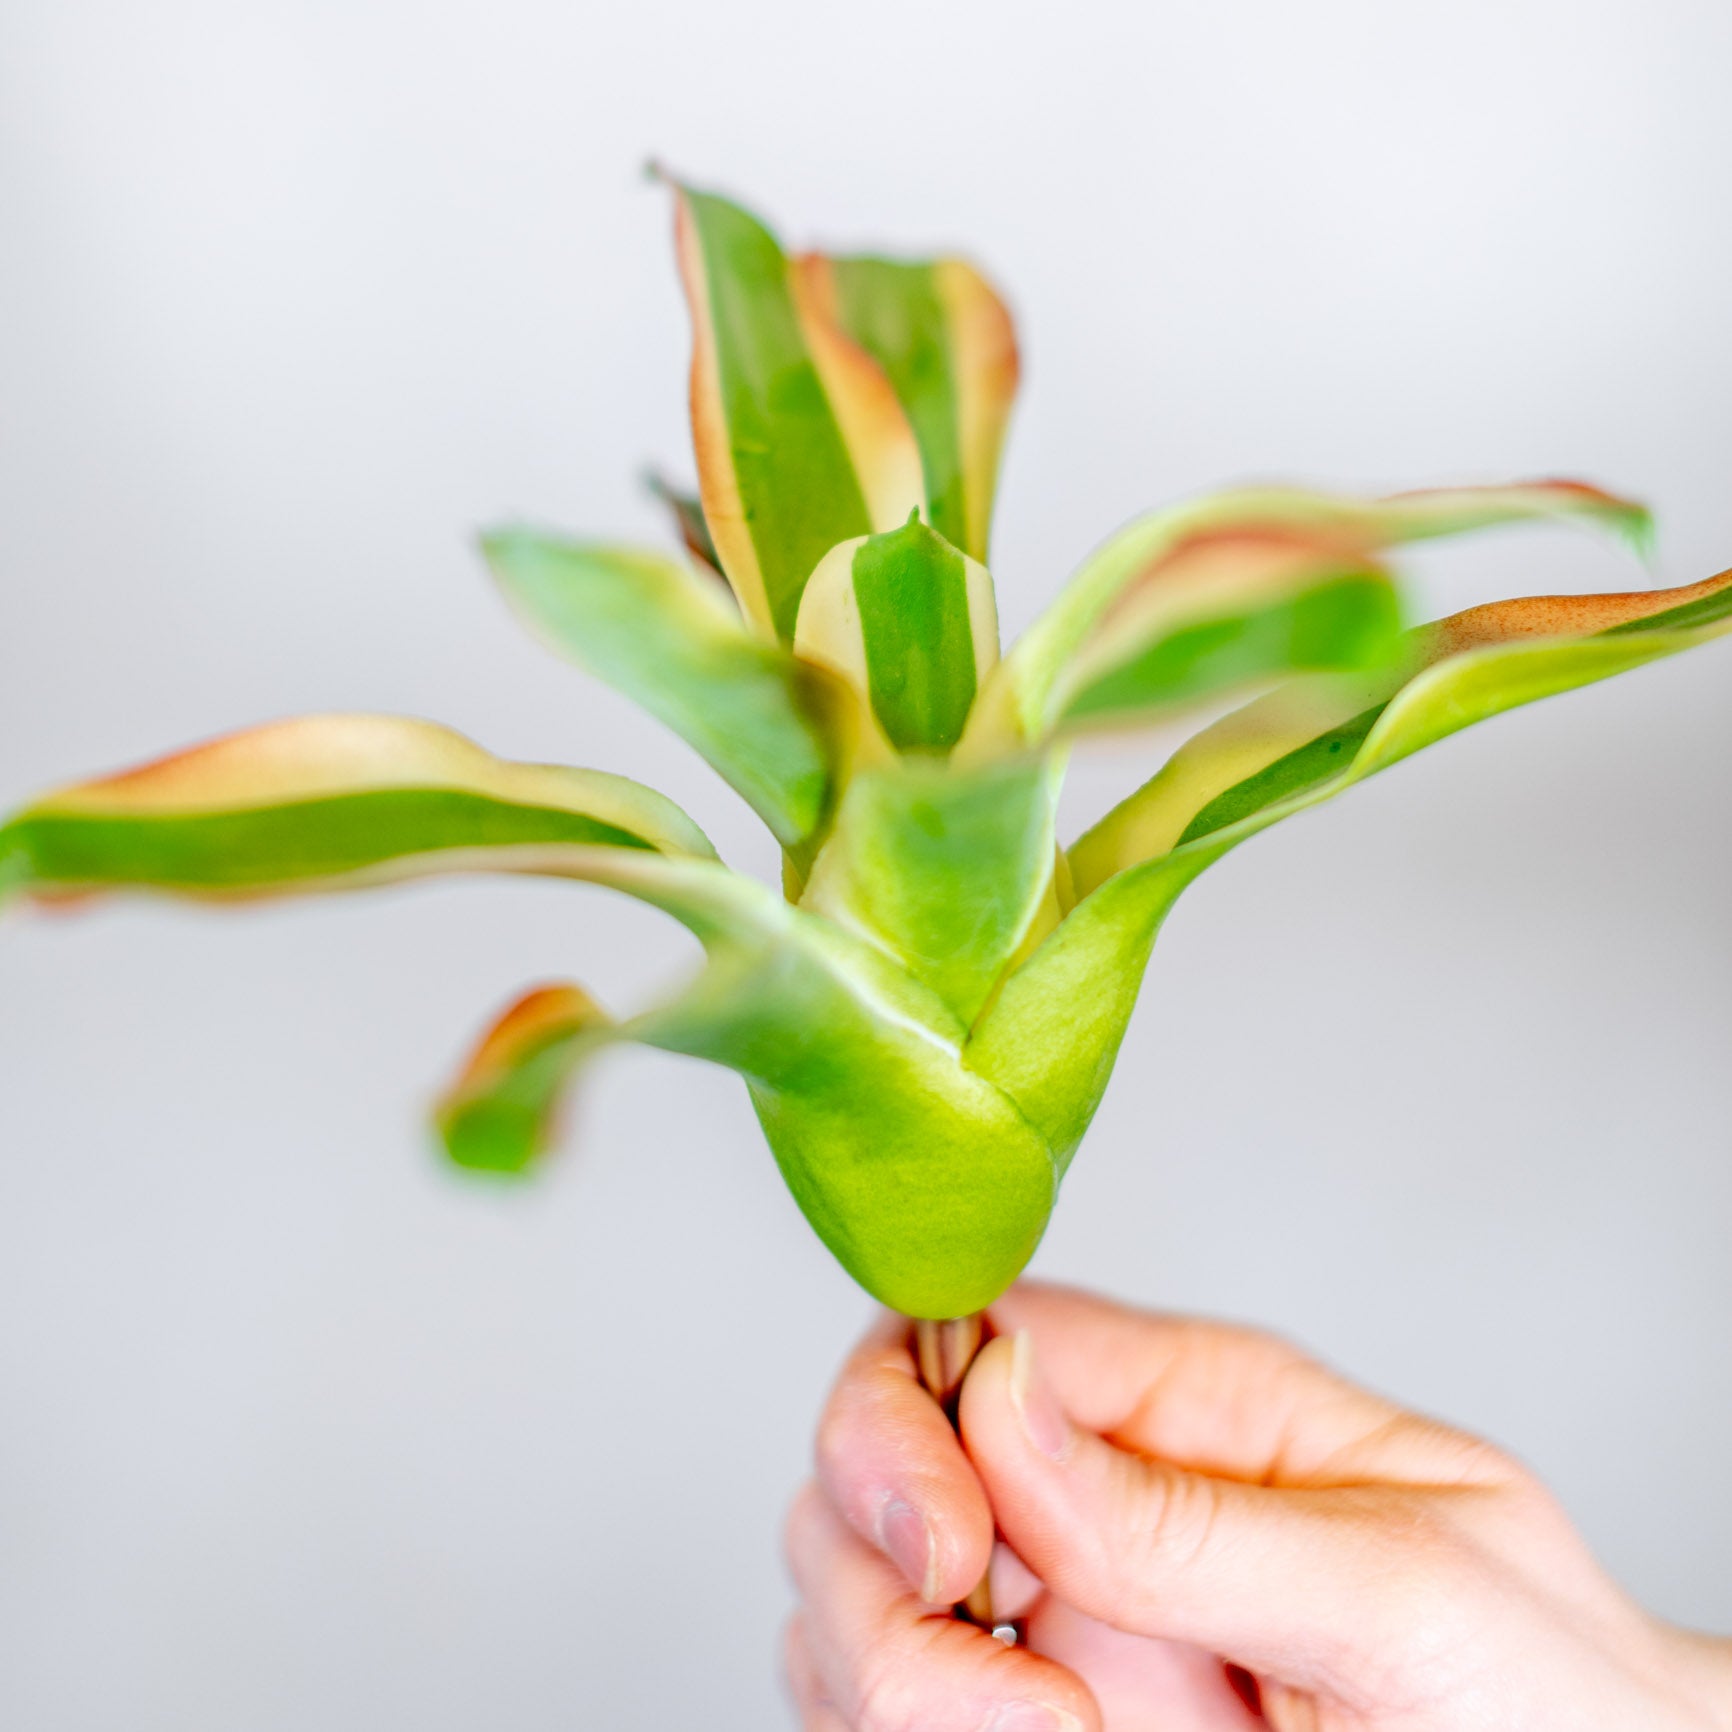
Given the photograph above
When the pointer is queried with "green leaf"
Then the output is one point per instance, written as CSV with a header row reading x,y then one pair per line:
x,y
924,1179
658,632
911,623
499,1114
947,346
945,869
1051,1035
800,440
329,802
1158,573
1250,610
1313,738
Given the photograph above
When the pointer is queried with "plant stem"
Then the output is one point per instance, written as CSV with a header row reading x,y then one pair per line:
x,y
943,1352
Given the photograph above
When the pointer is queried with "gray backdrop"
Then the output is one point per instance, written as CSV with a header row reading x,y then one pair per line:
x,y
297,1429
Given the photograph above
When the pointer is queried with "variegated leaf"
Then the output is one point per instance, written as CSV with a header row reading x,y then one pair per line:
x,y
1325,734
911,623
923,1178
1050,1037
500,1113
946,343
800,440
328,802
1223,611
1295,582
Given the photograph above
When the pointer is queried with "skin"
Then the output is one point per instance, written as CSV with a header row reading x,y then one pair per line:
x,y
1207,1532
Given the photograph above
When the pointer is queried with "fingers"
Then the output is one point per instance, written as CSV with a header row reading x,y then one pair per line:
x,y
1227,1400
873,1656
1294,1583
816,1710
890,1463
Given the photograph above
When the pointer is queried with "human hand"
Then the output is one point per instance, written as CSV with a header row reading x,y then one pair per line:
x,y
1207,1532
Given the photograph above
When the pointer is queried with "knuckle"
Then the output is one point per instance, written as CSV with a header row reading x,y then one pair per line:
x,y
838,1430
1155,1527
1510,1475
1252,1343
857,1428
1176,1515
898,1679
893,1694
884,1704
885,1707
1458,1458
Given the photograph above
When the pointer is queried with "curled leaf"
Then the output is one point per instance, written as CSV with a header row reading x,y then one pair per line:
x,y
325,803
1313,738
1297,586
499,1115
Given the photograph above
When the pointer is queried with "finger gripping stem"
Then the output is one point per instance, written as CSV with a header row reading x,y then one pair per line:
x,y
944,1349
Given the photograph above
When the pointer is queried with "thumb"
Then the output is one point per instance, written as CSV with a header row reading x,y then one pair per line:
x,y
1292,1584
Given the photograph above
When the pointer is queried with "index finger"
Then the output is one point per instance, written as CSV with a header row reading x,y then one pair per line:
x,y
892,1466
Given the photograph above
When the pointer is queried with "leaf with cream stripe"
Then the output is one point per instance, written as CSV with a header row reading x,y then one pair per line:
x,y
1050,1037
946,343
800,440
499,1115
1241,586
911,623
327,802
1323,734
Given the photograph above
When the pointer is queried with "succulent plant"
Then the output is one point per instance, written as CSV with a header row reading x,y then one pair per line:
x,y
927,1012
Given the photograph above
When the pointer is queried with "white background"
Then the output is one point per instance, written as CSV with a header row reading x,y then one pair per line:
x,y
299,1430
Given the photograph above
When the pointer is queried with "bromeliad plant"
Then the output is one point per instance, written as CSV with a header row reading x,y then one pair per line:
x,y
927,1015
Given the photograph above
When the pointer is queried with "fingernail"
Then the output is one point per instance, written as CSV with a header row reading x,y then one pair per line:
x,y
1033,1717
906,1535
1042,1418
